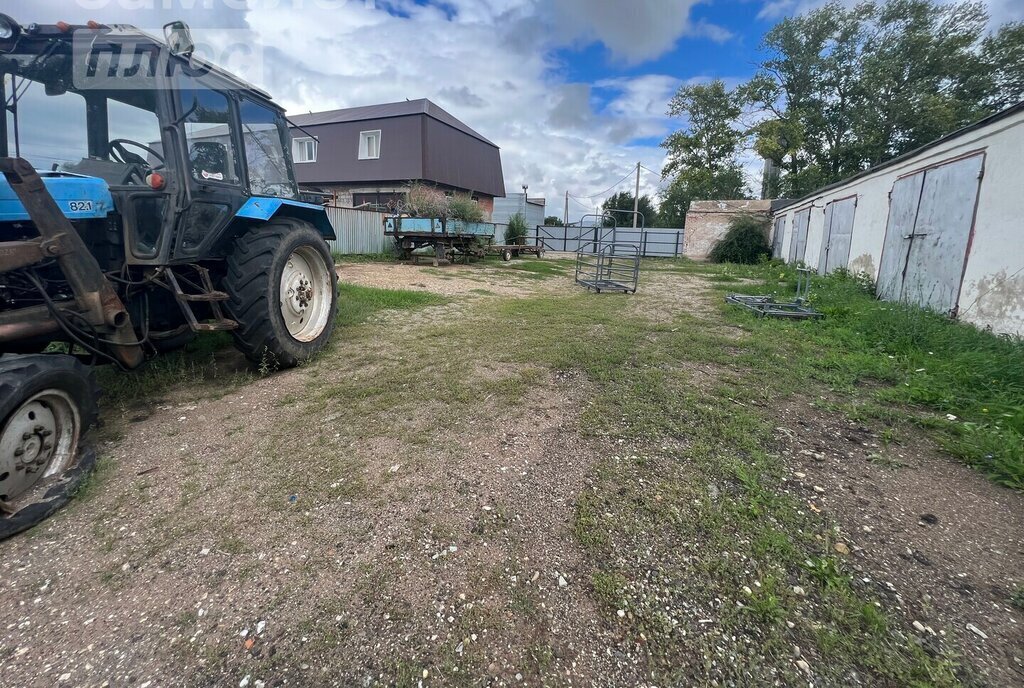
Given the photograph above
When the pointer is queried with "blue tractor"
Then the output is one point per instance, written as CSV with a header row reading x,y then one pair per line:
x,y
147,195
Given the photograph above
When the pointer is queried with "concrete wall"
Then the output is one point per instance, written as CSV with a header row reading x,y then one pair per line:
x,y
992,284
708,221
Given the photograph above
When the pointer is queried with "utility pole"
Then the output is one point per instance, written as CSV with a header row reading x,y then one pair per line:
x,y
566,219
636,198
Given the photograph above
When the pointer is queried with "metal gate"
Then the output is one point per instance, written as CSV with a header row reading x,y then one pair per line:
x,y
931,215
798,245
777,236
837,235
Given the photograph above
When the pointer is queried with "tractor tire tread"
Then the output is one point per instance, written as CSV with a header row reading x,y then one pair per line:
x,y
250,302
21,376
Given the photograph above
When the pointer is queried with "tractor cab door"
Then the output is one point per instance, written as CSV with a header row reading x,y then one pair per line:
x,y
130,153
212,168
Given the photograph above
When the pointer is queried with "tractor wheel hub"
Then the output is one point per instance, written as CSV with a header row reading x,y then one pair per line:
x,y
305,294
38,439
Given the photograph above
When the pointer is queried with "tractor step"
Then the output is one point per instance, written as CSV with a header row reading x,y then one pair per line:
x,y
203,293
209,296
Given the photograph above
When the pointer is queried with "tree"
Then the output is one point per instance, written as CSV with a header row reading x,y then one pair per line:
x,y
712,140
702,158
1004,50
623,201
843,89
553,221
697,185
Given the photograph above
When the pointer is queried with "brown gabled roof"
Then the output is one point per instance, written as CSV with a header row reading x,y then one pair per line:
x,y
421,106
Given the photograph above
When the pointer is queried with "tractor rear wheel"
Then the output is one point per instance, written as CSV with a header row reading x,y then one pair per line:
x,y
283,292
47,402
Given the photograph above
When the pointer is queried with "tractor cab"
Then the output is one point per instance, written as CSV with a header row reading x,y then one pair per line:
x,y
151,152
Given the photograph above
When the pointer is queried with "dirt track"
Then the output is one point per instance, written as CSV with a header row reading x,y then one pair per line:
x,y
279,534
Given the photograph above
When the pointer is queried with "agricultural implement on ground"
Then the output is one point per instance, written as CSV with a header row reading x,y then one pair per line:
x,y
439,239
449,240
767,305
604,264
168,206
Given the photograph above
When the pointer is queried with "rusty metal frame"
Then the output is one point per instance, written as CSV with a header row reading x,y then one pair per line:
x,y
95,297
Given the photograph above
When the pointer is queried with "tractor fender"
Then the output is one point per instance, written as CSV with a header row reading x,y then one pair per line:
x,y
263,208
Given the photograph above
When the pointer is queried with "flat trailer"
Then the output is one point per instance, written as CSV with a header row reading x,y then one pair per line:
x,y
510,251
441,239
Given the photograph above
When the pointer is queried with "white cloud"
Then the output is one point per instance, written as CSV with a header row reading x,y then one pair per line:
x,y
488,62
634,31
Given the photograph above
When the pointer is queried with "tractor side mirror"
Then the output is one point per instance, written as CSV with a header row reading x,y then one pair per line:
x,y
179,38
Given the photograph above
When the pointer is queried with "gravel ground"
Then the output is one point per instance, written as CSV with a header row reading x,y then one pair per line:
x,y
256,540
936,540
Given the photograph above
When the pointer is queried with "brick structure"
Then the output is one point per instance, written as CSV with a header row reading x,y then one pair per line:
x,y
708,221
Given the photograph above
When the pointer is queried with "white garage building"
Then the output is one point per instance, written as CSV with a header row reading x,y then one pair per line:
x,y
942,226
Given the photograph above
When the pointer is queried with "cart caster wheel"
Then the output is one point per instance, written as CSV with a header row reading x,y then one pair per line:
x,y
506,255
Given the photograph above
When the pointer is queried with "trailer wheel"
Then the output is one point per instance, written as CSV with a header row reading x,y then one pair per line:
x,y
506,255
47,402
283,292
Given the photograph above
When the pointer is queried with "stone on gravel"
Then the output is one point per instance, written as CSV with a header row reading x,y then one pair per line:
x,y
977,631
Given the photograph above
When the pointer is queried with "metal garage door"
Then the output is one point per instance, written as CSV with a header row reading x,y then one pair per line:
x,y
930,218
837,235
798,245
777,235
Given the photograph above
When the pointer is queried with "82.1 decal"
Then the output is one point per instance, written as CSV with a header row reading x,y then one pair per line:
x,y
80,206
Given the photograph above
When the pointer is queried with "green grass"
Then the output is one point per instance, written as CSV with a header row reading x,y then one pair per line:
x,y
915,362
209,367
1017,597
651,532
532,268
357,304
385,257
200,362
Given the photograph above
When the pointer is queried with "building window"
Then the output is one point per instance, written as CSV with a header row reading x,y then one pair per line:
x,y
304,150
369,145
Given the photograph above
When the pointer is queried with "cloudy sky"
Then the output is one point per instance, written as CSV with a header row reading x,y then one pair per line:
x,y
574,91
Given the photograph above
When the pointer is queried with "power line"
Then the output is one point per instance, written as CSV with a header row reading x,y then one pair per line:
x,y
598,195
651,171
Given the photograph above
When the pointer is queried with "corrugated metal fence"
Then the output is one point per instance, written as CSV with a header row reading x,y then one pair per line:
x,y
663,243
362,232
359,231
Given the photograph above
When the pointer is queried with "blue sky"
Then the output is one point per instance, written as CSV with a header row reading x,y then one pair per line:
x,y
573,91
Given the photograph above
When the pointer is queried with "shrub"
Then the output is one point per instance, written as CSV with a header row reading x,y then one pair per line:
x,y
745,242
516,231
463,207
425,201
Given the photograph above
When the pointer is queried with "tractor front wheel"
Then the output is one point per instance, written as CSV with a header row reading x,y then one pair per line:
x,y
47,402
283,292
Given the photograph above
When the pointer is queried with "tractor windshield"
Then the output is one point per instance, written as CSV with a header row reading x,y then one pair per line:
x,y
112,134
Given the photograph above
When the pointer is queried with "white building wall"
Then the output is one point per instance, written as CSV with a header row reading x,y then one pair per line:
x,y
992,292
